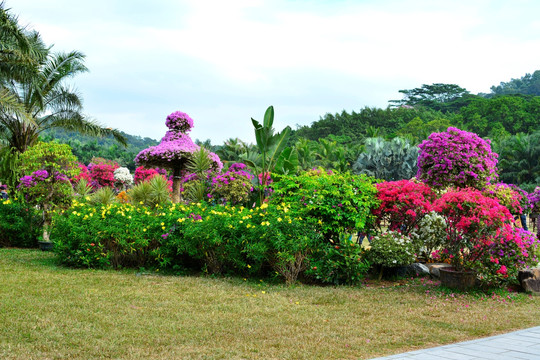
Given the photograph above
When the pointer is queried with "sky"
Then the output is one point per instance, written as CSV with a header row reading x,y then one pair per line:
x,y
224,62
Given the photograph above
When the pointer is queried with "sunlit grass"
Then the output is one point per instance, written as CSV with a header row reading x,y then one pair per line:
x,y
50,312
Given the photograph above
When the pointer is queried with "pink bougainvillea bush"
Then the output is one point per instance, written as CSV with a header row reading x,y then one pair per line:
x,y
175,150
403,204
143,174
471,219
506,252
456,158
102,174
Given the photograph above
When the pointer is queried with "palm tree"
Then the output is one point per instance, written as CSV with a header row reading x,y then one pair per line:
x,y
34,96
306,150
519,158
17,59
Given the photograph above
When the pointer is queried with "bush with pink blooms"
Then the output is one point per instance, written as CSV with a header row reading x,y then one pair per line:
x,y
471,220
456,158
144,174
175,150
102,172
403,204
83,174
507,251
233,187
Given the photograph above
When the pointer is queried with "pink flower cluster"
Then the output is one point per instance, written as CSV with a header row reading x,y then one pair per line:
x,y
403,204
102,174
179,121
456,158
508,250
143,174
37,176
83,174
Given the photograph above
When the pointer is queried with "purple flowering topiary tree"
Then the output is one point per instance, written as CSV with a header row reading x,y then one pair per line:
x,y
456,158
174,150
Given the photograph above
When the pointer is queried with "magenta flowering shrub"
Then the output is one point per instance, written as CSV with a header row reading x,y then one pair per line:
x,y
143,174
456,158
233,186
175,150
471,219
509,250
534,200
43,187
50,166
179,121
175,147
102,174
403,204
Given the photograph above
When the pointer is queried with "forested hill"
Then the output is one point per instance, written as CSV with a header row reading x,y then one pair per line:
x,y
512,107
85,147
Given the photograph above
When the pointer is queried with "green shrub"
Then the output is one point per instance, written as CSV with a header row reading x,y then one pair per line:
x,y
336,203
117,235
290,241
343,263
20,224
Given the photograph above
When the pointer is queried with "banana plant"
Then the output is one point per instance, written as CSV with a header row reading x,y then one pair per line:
x,y
270,145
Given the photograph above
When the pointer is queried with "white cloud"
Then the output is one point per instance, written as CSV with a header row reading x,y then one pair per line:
x,y
223,62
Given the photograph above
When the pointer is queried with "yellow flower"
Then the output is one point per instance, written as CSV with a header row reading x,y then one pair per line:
x,y
162,224
144,230
264,206
140,202
249,266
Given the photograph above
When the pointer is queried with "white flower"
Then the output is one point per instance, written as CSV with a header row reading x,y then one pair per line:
x,y
122,174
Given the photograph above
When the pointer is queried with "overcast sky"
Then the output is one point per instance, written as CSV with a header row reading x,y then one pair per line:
x,y
223,62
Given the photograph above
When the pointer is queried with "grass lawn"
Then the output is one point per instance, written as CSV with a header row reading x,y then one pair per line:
x,y
50,312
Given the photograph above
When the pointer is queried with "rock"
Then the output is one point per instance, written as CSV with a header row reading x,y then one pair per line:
x,y
434,268
419,269
531,285
530,280
416,269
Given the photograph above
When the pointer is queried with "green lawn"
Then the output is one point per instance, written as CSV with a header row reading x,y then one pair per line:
x,y
50,312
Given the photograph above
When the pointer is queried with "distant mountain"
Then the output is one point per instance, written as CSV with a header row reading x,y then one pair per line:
x,y
86,147
529,84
